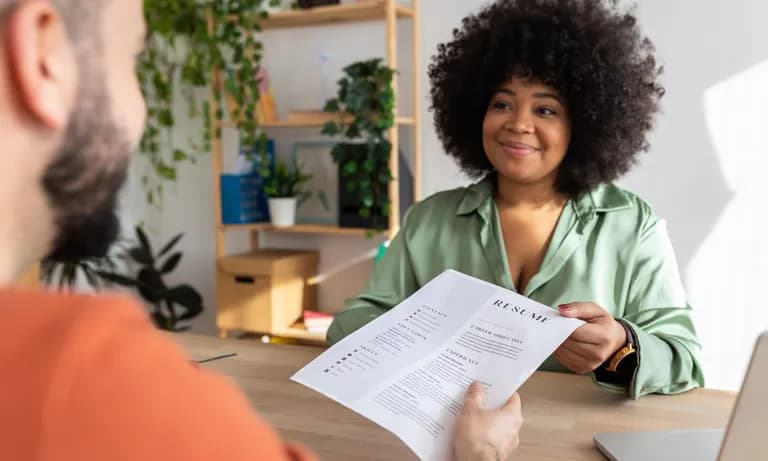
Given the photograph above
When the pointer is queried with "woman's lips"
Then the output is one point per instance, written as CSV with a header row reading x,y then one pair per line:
x,y
518,149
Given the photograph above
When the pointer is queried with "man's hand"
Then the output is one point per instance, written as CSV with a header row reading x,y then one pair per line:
x,y
486,435
590,345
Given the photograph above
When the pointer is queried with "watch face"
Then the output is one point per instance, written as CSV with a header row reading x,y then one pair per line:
x,y
628,363
620,357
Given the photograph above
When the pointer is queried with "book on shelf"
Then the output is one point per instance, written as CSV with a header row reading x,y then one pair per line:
x,y
317,322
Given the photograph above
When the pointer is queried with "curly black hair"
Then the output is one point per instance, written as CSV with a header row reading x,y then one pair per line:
x,y
591,51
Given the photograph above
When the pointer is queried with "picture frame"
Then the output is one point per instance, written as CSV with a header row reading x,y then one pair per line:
x,y
322,204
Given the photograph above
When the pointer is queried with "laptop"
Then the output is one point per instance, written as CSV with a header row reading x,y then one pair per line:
x,y
744,439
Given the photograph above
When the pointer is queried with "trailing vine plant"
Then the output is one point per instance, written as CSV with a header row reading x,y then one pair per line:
x,y
187,39
365,105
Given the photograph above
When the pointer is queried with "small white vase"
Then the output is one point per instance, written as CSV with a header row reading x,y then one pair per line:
x,y
282,211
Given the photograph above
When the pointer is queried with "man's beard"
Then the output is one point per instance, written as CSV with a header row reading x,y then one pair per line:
x,y
83,181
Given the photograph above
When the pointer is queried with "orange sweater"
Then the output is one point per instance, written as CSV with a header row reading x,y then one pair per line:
x,y
88,378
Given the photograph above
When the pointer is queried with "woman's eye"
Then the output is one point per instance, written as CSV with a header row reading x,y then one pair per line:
x,y
546,111
500,105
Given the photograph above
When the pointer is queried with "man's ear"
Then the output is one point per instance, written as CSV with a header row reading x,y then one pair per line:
x,y
43,62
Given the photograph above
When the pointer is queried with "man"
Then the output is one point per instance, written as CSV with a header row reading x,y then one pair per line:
x,y
88,378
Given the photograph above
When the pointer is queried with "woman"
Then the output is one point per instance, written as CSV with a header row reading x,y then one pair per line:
x,y
548,101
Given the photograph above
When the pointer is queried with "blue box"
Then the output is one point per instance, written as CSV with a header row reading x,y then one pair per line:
x,y
243,199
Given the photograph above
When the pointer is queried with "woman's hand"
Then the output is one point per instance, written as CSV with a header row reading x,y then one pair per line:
x,y
590,345
486,435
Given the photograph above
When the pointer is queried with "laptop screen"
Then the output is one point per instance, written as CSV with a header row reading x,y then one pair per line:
x,y
745,437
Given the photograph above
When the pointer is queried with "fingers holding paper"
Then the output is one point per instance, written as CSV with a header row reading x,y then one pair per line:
x,y
590,345
482,434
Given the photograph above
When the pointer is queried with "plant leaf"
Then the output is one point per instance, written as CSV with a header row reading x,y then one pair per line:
x,y
171,263
323,197
118,279
188,297
330,129
169,246
90,275
143,240
141,256
151,286
160,320
332,105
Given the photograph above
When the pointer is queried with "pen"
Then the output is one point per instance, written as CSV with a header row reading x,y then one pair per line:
x,y
218,357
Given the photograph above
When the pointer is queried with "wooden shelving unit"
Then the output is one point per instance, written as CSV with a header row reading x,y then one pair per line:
x,y
388,11
314,122
297,229
370,10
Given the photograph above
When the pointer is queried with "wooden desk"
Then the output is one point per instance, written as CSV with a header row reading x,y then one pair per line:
x,y
562,412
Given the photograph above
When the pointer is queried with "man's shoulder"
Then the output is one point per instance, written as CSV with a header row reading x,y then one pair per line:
x,y
83,362
62,335
48,345
64,315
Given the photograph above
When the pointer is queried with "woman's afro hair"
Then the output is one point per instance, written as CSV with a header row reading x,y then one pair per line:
x,y
591,51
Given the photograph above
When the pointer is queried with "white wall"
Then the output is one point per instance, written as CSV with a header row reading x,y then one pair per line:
x,y
701,45
704,45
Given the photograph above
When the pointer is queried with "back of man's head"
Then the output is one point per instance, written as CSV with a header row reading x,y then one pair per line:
x,y
79,16
71,112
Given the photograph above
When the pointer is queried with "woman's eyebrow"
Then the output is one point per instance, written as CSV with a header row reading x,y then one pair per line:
x,y
539,95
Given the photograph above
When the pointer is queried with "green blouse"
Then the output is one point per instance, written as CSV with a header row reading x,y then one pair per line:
x,y
609,247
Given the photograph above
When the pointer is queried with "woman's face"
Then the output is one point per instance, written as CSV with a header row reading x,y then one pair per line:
x,y
526,131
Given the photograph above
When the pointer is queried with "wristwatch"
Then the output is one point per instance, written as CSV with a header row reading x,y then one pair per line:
x,y
624,356
629,349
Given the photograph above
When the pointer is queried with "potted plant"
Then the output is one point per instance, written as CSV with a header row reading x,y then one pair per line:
x,y
65,275
284,187
169,306
365,105
134,265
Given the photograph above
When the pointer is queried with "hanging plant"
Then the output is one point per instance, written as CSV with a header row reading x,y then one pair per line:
x,y
365,105
187,39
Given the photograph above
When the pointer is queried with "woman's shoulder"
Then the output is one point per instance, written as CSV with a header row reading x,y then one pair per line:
x,y
621,205
449,204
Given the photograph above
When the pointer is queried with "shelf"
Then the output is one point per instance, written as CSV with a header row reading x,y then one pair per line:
x,y
369,10
299,229
318,121
297,331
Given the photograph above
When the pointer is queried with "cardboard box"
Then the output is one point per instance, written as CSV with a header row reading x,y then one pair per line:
x,y
266,290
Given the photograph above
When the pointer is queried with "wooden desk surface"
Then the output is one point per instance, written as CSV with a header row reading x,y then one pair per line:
x,y
562,412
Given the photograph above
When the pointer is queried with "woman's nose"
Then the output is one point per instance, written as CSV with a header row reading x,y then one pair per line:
x,y
519,122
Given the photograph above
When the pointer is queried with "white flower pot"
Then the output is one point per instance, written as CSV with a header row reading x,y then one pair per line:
x,y
282,211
